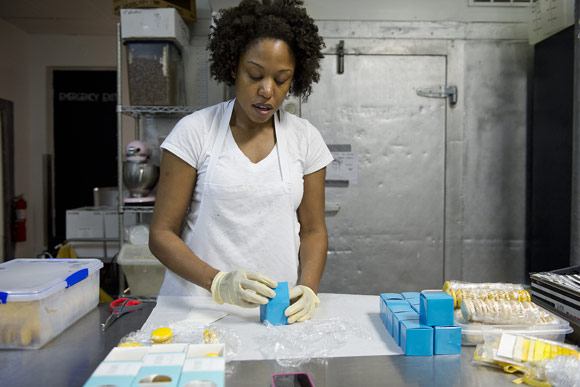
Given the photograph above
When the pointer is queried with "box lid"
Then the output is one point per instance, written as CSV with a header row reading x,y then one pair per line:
x,y
35,279
152,24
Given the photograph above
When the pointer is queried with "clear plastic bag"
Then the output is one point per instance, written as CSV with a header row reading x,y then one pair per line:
x,y
556,364
294,345
506,312
460,291
561,371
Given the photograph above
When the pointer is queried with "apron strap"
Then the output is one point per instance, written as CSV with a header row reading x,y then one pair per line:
x,y
281,139
220,139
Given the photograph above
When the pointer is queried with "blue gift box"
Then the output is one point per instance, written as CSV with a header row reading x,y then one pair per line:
x,y
396,323
410,295
447,340
162,359
416,338
391,296
416,305
389,315
436,309
273,311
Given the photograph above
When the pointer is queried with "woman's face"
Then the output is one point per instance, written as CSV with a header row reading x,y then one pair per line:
x,y
263,78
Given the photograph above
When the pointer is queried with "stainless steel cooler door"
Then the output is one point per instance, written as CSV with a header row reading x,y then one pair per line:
x,y
389,232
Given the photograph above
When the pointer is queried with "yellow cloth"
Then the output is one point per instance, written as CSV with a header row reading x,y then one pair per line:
x,y
66,251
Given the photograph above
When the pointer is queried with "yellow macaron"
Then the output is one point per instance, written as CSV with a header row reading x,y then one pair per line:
x,y
162,335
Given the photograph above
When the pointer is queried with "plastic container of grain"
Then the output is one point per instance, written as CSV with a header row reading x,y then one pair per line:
x,y
155,70
40,298
473,333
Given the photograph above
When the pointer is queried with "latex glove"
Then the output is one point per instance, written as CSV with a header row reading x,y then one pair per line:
x,y
244,288
303,306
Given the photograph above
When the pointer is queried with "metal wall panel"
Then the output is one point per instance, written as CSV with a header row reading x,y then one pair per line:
x,y
494,192
482,233
388,233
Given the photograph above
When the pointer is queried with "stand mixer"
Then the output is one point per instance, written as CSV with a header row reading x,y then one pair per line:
x,y
139,174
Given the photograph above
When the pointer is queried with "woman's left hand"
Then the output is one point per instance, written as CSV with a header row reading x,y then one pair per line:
x,y
304,303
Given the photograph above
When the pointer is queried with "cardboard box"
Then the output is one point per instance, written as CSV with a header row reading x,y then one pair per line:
x,y
204,362
154,24
85,222
391,296
185,8
162,365
410,295
436,308
392,310
398,317
416,338
119,368
447,340
40,298
95,223
273,311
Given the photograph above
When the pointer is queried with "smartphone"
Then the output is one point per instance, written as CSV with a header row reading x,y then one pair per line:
x,y
299,379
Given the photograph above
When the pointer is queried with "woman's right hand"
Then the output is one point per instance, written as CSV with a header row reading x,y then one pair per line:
x,y
244,288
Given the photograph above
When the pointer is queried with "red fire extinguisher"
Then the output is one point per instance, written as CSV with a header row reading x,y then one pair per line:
x,y
19,234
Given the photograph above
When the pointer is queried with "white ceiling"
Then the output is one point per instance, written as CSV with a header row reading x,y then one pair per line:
x,y
73,17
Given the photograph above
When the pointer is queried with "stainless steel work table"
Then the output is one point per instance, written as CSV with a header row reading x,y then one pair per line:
x,y
70,358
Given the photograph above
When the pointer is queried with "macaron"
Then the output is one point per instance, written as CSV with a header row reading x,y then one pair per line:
x,y
162,335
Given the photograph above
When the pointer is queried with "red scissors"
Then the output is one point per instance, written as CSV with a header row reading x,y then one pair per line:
x,y
120,307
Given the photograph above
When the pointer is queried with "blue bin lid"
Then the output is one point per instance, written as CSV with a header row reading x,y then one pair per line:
x,y
27,279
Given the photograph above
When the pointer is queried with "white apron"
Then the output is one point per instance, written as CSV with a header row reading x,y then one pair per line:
x,y
248,226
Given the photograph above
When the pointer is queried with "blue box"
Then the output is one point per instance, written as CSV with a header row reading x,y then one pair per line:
x,y
436,309
162,359
410,295
389,315
391,303
396,323
447,340
383,311
416,306
119,368
273,311
204,362
391,296
416,338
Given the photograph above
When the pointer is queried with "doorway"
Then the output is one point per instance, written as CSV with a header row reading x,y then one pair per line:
x,y
85,139
389,232
7,178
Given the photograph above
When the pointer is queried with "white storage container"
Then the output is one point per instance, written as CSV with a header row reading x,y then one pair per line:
x,y
473,333
154,24
40,298
144,272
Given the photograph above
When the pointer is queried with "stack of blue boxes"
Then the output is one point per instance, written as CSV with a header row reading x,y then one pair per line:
x,y
421,323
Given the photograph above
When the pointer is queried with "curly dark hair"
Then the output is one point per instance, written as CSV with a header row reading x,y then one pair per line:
x,y
237,28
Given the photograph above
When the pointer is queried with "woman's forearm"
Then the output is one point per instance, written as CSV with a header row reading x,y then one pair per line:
x,y
313,247
170,249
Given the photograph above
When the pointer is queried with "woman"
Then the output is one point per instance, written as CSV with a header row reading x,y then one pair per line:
x,y
251,173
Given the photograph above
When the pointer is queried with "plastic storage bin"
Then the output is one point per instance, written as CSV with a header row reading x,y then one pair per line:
x,y
40,298
144,272
473,334
155,70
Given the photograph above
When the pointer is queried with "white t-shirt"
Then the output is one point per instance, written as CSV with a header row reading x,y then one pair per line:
x,y
193,137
